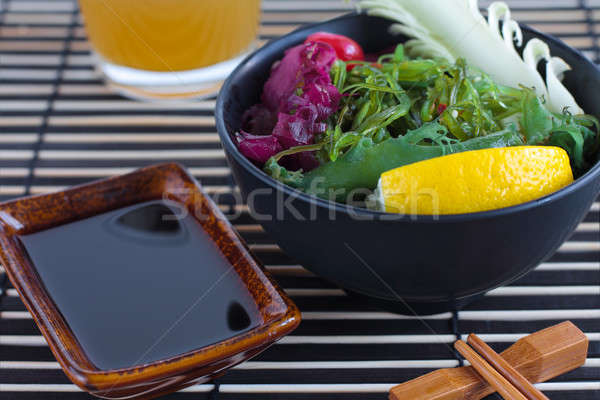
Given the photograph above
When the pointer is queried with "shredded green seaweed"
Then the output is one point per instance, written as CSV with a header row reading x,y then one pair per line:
x,y
430,108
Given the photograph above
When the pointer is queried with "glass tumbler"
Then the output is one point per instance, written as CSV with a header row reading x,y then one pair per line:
x,y
169,49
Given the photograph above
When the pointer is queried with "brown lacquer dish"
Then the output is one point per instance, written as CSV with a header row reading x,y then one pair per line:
x,y
139,284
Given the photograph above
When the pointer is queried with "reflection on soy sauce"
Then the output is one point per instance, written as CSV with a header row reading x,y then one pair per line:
x,y
138,285
153,218
237,317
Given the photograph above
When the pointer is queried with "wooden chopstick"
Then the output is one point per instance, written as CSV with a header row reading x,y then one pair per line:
x,y
539,357
505,369
487,372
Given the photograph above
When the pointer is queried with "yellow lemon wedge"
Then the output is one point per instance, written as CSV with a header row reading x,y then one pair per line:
x,y
474,181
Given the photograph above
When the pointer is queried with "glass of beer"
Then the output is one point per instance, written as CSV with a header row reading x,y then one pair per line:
x,y
169,49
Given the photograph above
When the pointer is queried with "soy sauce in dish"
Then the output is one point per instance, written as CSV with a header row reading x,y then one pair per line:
x,y
140,284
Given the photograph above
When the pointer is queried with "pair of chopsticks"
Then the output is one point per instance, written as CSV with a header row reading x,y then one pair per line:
x,y
507,381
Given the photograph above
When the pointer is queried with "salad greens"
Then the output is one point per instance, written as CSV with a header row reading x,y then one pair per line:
x,y
330,126
362,165
398,111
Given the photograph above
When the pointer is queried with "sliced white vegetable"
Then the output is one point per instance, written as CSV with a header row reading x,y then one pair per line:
x,y
555,69
559,97
511,31
454,29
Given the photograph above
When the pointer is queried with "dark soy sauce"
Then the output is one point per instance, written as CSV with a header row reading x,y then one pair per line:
x,y
137,285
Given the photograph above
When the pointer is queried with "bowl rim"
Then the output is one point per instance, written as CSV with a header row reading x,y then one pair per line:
x,y
302,32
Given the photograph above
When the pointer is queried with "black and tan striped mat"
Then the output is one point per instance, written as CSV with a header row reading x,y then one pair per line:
x,y
60,126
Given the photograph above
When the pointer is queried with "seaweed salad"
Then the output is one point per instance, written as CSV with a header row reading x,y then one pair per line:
x,y
331,120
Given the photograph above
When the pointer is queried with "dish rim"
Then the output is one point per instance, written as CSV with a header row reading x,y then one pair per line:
x,y
301,33
279,315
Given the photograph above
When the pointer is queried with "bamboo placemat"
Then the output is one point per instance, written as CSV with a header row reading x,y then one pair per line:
x,y
60,126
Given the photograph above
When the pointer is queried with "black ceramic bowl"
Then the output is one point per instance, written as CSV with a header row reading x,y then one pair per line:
x,y
434,264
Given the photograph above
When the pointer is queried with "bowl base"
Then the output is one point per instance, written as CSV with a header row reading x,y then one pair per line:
x,y
415,308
